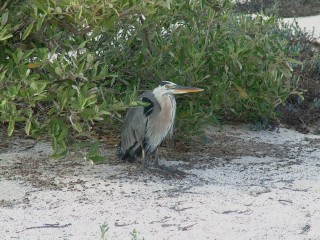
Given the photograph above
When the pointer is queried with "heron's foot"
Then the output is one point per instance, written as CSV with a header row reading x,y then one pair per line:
x,y
173,170
149,160
168,170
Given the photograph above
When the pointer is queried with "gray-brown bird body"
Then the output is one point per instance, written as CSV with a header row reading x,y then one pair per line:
x,y
145,127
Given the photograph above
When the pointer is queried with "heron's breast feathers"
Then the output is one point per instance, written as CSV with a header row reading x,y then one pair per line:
x,y
160,124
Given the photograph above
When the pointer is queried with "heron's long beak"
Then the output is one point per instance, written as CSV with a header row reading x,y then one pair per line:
x,y
178,89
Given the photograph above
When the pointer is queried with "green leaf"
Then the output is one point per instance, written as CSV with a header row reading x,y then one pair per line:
x,y
59,153
76,126
27,32
89,58
2,74
4,18
97,158
40,22
27,54
59,133
58,9
58,71
94,148
110,22
139,103
6,37
93,153
80,67
28,127
294,61
40,5
104,112
35,10
79,14
83,144
82,44
242,92
11,127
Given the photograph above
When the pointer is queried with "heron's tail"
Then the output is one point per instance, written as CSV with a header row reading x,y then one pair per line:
x,y
132,153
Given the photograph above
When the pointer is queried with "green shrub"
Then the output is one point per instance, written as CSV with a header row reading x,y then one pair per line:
x,y
239,60
68,64
50,80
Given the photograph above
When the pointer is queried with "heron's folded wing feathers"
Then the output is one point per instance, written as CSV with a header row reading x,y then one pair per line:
x,y
134,126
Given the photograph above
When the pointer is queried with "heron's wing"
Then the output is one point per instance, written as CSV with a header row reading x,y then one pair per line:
x,y
132,134
134,127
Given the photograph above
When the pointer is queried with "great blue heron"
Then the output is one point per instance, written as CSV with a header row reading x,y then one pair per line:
x,y
144,128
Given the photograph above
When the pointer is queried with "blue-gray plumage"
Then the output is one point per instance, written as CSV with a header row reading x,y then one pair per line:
x,y
144,128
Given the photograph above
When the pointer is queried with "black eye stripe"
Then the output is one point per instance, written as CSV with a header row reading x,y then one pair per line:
x,y
164,83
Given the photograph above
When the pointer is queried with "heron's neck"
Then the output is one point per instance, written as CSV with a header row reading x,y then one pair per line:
x,y
165,98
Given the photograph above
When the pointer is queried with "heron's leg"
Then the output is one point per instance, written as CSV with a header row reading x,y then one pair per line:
x,y
144,158
143,152
155,158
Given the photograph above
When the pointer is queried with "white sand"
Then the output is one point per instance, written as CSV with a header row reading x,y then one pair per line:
x,y
271,195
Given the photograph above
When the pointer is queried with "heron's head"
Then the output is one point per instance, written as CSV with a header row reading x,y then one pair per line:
x,y
166,87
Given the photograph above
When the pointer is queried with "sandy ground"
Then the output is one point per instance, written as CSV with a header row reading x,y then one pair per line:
x,y
238,184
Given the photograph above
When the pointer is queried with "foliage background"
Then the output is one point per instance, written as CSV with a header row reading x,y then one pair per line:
x,y
67,65
283,8
303,114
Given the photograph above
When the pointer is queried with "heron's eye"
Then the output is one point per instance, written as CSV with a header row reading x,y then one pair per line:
x,y
166,86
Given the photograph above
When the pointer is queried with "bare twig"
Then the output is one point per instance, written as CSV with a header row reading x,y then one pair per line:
x,y
124,224
5,5
146,35
50,225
